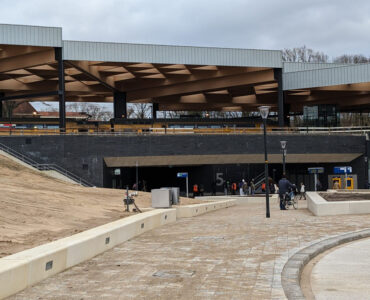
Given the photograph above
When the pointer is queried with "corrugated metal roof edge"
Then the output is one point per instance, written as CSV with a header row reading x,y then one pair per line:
x,y
38,26
318,70
182,46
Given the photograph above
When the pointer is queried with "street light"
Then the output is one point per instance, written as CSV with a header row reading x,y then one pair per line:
x,y
264,112
283,148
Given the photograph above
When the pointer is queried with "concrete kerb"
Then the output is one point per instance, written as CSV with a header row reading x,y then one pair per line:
x,y
239,199
188,211
25,268
291,274
320,207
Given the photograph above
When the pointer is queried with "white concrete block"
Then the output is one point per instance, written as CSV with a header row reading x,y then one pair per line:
x,y
28,267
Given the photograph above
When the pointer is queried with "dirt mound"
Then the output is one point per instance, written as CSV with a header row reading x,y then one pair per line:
x,y
36,208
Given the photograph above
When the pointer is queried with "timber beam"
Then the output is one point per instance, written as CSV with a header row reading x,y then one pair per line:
x,y
93,73
211,84
27,60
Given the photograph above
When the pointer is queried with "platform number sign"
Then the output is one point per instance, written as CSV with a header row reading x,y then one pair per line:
x,y
219,179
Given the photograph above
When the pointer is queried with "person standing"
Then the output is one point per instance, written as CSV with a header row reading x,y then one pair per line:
x,y
225,188
336,185
284,187
302,191
213,186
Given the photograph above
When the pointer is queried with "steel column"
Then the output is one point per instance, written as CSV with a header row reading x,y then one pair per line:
x,y
154,110
1,104
279,78
61,89
119,105
267,186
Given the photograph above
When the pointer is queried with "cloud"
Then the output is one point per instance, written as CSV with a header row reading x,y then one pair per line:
x,y
334,27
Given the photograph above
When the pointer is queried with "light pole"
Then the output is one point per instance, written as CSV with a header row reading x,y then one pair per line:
x,y
264,112
283,148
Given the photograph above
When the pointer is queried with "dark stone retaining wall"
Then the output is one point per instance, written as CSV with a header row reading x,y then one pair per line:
x,y
83,155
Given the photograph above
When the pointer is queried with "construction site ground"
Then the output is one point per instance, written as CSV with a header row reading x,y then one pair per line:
x,y
36,209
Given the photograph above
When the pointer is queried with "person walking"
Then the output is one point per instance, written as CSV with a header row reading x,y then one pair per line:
x,y
284,187
201,190
234,187
302,191
195,190
318,185
253,187
241,192
245,188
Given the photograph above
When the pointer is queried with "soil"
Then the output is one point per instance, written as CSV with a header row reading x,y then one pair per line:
x,y
337,196
36,209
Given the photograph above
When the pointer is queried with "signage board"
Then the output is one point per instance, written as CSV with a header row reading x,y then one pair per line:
x,y
343,170
182,175
317,170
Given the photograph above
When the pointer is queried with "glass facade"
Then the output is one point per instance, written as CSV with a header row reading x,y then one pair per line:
x,y
323,115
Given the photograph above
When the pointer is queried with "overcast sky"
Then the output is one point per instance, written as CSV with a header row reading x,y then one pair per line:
x,y
335,27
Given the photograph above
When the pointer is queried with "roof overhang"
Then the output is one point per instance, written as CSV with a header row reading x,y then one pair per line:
x,y
187,160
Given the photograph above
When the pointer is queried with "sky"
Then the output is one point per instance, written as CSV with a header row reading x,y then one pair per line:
x,y
335,27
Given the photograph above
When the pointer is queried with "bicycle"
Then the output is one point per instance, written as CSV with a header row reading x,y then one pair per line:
x,y
289,201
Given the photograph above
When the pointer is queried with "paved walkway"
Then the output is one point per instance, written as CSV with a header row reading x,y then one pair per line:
x,y
234,253
343,273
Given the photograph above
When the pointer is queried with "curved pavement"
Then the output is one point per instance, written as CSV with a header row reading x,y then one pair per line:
x,y
233,253
343,273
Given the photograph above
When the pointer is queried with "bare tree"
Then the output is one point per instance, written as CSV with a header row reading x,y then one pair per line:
x,y
140,110
304,54
9,106
96,111
352,59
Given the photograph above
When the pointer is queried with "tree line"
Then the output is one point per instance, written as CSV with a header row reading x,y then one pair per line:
x,y
304,54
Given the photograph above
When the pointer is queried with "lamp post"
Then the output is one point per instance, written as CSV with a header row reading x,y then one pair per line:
x,y
283,148
264,112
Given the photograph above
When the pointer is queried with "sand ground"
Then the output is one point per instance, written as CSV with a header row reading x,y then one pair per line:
x,y
36,209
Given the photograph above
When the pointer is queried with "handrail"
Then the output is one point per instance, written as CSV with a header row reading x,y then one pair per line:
x,y
183,131
259,179
45,167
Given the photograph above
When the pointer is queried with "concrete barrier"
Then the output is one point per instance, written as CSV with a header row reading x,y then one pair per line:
x,y
28,267
320,207
188,211
240,200
23,269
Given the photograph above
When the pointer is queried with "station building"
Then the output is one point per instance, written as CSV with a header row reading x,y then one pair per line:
x,y
36,64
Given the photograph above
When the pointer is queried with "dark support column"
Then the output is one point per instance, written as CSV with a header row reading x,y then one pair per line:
x,y
279,78
119,105
154,110
367,162
61,89
1,104
286,114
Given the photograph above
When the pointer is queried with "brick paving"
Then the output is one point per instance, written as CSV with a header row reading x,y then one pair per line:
x,y
234,253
